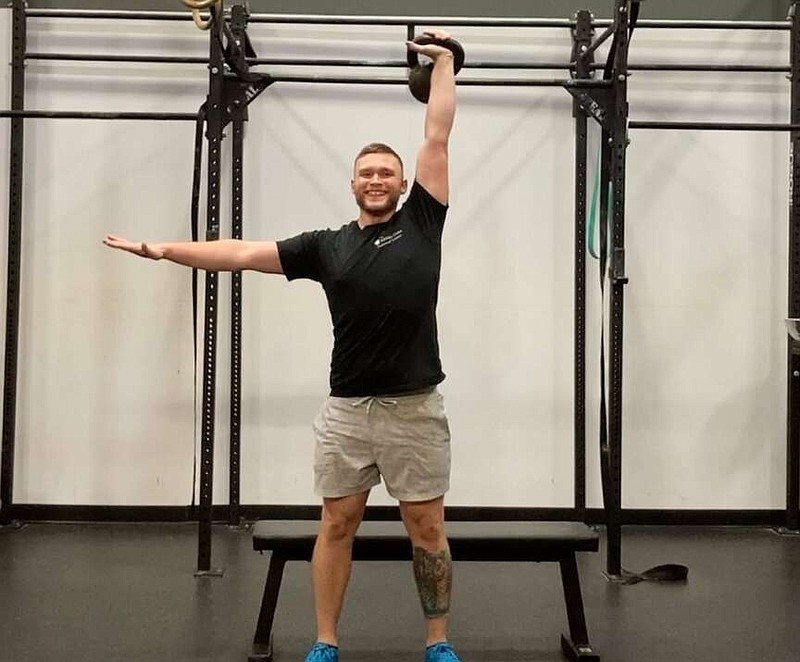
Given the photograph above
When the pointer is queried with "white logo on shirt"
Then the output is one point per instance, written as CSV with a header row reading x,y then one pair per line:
x,y
380,242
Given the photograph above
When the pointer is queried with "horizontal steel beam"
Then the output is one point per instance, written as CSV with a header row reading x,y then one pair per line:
x,y
91,115
516,82
712,126
314,19
110,14
712,25
103,57
712,67
402,64
323,19
473,82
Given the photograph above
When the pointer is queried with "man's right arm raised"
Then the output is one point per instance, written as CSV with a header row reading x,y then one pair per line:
x,y
221,255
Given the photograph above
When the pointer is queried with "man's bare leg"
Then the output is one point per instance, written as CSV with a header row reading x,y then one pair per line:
x,y
433,567
332,560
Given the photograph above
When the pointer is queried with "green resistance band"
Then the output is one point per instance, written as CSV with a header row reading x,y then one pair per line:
x,y
592,235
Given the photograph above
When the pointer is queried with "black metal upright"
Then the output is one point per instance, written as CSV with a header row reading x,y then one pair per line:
x,y
16,160
215,109
793,377
238,112
582,35
608,105
617,281
236,332
234,517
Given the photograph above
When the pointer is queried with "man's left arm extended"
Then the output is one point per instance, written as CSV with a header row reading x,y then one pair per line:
x,y
432,157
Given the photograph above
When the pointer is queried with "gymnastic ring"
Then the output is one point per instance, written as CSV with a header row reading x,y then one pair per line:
x,y
197,5
419,76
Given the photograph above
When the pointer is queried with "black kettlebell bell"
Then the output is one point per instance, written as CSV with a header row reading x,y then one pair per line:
x,y
419,77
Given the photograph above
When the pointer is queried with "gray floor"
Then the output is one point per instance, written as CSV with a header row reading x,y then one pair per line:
x,y
127,592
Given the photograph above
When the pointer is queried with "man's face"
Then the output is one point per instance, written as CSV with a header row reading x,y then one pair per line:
x,y
378,183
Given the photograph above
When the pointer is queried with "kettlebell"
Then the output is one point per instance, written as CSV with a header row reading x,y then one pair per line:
x,y
419,76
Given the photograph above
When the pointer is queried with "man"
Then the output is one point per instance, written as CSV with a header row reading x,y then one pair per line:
x,y
384,416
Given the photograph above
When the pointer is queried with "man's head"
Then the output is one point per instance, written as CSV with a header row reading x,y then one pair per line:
x,y
378,182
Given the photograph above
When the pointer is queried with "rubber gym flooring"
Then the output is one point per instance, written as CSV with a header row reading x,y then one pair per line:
x,y
90,592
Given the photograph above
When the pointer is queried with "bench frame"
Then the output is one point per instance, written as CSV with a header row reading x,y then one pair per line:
x,y
387,541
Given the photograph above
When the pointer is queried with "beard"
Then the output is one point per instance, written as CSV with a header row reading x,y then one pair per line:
x,y
380,206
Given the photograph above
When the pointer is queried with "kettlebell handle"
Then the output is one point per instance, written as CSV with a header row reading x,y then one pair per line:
x,y
450,44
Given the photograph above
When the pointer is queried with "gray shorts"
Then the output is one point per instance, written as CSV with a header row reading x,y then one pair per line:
x,y
405,439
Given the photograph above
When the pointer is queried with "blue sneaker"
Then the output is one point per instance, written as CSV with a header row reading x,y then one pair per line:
x,y
323,653
441,652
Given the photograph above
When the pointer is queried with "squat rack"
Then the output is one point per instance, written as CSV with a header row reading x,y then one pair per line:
x,y
605,100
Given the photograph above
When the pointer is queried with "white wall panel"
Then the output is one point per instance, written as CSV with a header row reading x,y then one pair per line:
x,y
105,413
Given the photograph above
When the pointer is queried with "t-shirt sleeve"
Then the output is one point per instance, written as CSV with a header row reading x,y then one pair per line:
x,y
300,256
426,211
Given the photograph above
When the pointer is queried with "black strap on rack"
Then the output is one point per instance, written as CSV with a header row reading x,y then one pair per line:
x,y
605,185
605,449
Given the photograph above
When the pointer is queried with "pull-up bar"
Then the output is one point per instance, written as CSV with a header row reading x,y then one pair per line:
x,y
472,82
317,62
633,124
711,126
346,80
322,19
92,115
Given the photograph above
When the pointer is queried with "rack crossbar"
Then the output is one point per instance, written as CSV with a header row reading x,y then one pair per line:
x,y
318,62
313,19
712,126
473,82
91,115
324,19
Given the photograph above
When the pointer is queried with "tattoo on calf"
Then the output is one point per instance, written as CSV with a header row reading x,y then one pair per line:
x,y
434,574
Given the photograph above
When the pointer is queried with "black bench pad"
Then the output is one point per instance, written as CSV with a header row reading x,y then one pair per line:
x,y
469,541
293,540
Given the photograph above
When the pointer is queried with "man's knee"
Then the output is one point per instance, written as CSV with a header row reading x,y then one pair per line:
x,y
424,521
341,518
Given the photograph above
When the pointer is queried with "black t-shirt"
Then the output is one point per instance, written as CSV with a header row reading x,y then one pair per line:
x,y
382,286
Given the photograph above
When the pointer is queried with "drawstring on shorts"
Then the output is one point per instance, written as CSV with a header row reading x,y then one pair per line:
x,y
370,399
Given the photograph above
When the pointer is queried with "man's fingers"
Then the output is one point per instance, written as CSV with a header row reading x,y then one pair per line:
x,y
138,248
433,50
429,50
436,33
114,241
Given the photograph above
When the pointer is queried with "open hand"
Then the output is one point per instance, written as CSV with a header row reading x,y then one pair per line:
x,y
140,248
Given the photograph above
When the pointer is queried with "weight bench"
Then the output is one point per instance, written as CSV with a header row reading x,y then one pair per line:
x,y
292,540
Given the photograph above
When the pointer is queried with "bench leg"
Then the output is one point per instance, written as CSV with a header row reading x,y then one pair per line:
x,y
577,646
262,642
